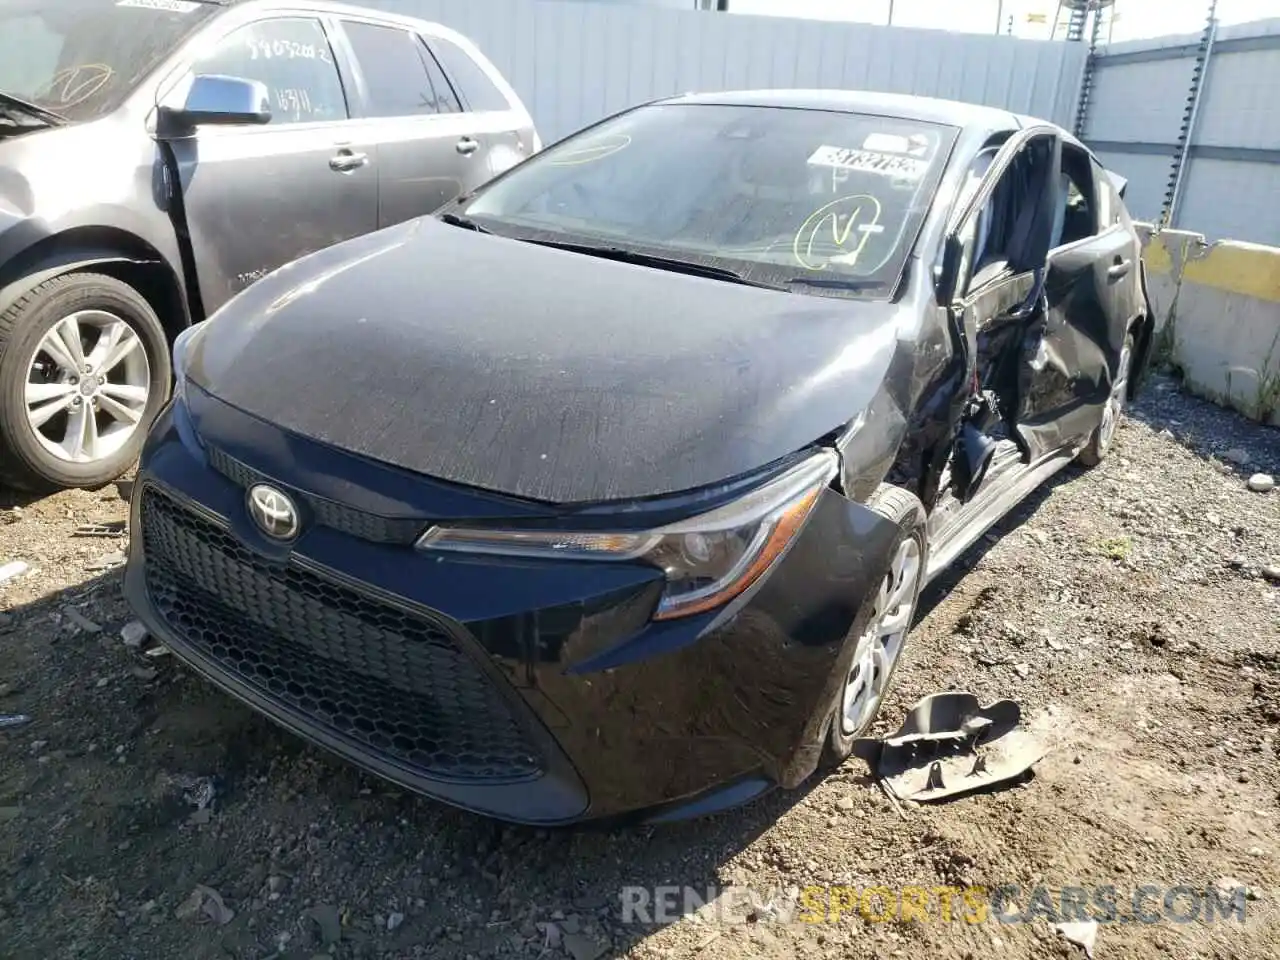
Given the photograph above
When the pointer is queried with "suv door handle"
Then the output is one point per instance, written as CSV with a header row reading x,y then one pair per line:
x,y
467,146
1119,269
344,161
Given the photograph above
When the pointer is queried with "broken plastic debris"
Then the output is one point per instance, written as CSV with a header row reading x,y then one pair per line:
x,y
10,720
114,528
14,568
156,652
1083,933
107,562
950,745
205,905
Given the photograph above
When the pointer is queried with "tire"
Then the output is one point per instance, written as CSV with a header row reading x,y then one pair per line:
x,y
90,308
902,508
1104,434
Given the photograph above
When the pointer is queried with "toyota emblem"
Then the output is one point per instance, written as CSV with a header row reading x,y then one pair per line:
x,y
273,512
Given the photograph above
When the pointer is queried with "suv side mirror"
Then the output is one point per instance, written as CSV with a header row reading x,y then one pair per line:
x,y
947,273
214,99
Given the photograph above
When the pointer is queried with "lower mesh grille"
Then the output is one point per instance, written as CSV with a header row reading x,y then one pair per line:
x,y
394,682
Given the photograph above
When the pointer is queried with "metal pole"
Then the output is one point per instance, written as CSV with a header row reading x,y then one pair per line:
x,y
1057,15
891,13
1183,160
999,15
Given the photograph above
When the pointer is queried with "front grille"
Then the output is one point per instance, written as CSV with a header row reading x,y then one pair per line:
x,y
328,513
396,683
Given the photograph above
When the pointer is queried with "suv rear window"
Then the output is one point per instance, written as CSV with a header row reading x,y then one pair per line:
x,y
473,84
771,193
82,58
394,65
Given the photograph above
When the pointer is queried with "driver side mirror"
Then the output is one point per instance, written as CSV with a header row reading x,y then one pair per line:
x,y
214,99
947,273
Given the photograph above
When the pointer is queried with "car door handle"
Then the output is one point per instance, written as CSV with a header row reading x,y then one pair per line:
x,y
1119,269
344,161
467,146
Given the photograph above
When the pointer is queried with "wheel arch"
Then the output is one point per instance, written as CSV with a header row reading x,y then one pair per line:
x,y
107,250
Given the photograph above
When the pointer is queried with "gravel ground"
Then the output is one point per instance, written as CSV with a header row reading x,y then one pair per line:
x,y
1128,609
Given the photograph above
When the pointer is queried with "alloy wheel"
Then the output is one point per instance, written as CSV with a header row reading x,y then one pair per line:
x,y
881,643
87,386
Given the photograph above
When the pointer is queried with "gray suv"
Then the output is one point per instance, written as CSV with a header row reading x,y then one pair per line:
x,y
159,156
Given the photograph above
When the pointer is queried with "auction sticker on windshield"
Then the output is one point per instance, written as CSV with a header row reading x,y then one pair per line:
x,y
916,145
870,161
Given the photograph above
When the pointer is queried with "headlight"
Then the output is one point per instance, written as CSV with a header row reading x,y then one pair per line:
x,y
708,560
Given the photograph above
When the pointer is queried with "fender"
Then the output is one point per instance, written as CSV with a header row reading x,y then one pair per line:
x,y
12,291
169,300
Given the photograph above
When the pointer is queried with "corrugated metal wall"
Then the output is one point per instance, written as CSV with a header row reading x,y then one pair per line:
x,y
1232,177
574,63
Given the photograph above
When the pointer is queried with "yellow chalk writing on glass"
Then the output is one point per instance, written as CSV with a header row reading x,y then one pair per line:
x,y
592,151
812,229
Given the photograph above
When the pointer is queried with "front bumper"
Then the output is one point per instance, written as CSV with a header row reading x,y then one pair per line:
x,y
531,691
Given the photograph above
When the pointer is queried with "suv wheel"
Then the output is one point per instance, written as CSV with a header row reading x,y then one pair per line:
x,y
84,370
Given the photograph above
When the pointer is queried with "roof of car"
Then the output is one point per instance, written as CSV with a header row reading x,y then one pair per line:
x,y
336,7
925,109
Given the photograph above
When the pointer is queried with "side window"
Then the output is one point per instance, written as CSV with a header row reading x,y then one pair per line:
x,y
1108,203
470,79
291,55
1076,218
446,98
393,63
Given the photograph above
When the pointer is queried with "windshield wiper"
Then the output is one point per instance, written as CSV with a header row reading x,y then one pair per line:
x,y
32,110
831,283
457,220
673,264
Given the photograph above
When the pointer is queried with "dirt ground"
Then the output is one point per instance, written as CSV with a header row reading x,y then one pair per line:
x,y
1130,610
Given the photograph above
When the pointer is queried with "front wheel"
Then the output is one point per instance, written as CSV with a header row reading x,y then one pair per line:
x,y
84,370
1105,432
892,607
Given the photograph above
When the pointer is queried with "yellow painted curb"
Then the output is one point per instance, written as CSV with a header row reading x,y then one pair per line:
x,y
1156,257
1251,270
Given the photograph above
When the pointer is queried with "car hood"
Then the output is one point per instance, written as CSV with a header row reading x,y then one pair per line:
x,y
537,372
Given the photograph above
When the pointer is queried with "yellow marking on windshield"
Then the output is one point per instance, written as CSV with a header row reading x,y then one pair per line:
x,y
593,151
74,85
812,228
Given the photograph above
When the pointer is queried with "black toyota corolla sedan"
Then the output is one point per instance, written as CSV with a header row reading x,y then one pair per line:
x,y
610,488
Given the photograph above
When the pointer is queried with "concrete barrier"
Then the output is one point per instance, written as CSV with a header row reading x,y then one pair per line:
x,y
1217,313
